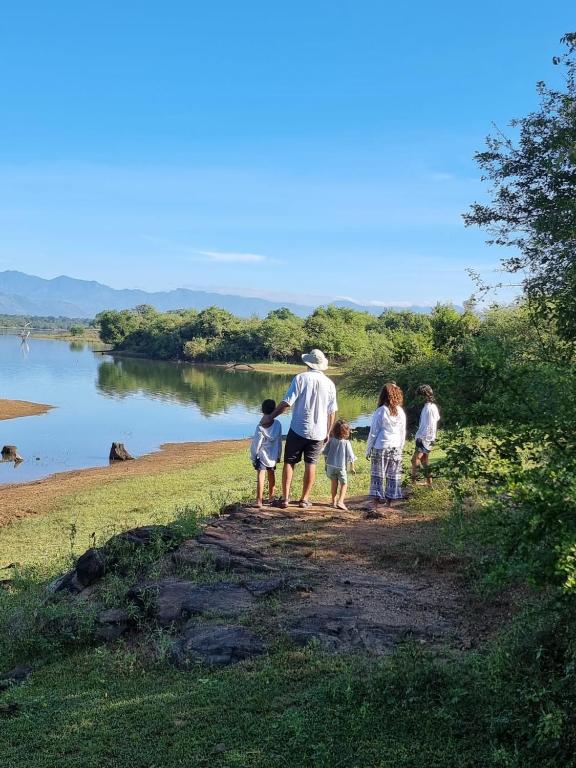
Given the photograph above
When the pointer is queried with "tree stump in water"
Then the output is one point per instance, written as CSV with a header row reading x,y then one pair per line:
x,y
119,453
9,453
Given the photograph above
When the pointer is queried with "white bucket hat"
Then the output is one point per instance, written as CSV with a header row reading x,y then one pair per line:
x,y
316,359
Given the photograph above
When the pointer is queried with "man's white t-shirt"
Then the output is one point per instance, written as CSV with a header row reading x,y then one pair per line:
x,y
312,397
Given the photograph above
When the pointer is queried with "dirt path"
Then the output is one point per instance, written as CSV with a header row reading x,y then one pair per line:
x,y
14,409
36,497
360,584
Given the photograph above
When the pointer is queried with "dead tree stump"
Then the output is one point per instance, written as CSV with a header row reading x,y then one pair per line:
x,y
119,453
10,453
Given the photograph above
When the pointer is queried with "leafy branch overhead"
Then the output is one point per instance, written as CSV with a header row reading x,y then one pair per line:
x,y
533,191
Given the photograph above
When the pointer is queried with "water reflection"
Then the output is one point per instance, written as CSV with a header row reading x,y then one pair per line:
x,y
214,390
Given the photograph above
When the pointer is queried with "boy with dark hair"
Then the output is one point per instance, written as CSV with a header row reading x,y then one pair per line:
x,y
265,452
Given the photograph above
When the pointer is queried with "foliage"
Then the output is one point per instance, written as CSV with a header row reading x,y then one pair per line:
x,y
533,206
215,335
49,323
493,368
526,480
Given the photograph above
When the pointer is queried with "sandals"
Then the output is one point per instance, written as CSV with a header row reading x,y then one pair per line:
x,y
304,504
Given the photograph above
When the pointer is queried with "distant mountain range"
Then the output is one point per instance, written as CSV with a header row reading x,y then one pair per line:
x,y
22,294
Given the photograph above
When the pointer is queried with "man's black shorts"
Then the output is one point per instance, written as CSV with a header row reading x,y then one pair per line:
x,y
297,446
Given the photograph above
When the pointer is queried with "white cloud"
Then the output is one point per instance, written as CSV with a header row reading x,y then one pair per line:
x,y
232,257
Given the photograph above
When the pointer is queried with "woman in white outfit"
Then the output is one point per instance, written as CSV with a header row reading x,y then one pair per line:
x,y
385,446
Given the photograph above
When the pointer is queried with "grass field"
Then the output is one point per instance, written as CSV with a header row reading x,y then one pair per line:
x,y
125,707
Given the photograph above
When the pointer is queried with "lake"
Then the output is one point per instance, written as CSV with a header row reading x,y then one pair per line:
x,y
99,399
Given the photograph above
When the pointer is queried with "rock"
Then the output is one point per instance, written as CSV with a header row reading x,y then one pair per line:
x,y
342,628
216,646
173,600
92,565
112,624
10,453
97,562
265,587
14,677
68,582
145,536
196,554
119,453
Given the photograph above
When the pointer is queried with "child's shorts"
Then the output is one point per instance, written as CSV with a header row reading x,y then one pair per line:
x,y
259,466
337,473
422,447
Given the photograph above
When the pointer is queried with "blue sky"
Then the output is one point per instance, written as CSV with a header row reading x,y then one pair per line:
x,y
302,150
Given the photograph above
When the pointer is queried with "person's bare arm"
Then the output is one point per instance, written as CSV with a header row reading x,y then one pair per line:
x,y
331,420
278,411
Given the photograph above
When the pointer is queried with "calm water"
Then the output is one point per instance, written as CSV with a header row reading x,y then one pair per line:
x,y
141,403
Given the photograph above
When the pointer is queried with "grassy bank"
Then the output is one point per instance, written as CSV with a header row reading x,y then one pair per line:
x,y
48,539
125,706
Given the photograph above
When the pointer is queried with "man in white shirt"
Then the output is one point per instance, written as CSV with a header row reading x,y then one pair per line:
x,y
312,397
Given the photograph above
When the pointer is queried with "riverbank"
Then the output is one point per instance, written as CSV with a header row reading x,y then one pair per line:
x,y
40,496
282,369
15,409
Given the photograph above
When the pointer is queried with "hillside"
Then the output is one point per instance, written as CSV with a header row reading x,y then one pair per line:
x,y
22,294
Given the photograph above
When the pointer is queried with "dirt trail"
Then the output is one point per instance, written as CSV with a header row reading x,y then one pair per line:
x,y
34,498
364,583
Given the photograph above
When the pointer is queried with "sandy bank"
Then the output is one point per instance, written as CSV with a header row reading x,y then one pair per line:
x,y
14,409
36,497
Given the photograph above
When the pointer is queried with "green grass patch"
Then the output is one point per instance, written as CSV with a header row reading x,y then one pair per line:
x,y
49,540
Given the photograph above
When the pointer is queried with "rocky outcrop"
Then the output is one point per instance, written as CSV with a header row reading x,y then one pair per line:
x,y
216,646
96,562
170,601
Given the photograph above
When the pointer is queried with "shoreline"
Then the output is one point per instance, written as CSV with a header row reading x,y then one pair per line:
x,y
18,500
16,409
285,369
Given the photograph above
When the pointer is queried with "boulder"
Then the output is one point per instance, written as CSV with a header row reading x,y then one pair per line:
x,y
173,600
14,676
145,536
68,582
216,646
92,565
96,562
111,624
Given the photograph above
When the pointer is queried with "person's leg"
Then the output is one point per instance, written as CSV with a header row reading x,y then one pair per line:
x,y
271,483
308,481
260,475
426,469
393,479
312,450
416,458
287,475
377,469
334,489
342,496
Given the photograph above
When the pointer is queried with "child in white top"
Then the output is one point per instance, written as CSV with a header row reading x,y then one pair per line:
x,y
426,434
265,453
338,454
